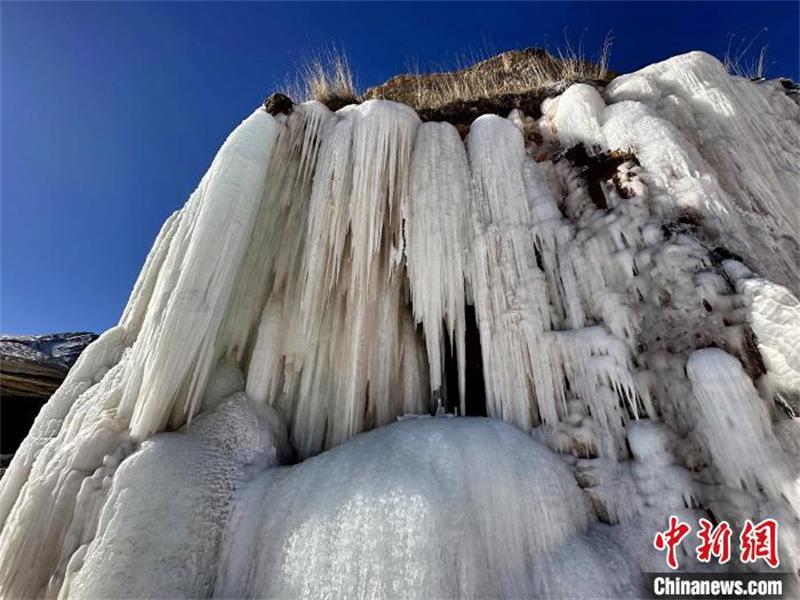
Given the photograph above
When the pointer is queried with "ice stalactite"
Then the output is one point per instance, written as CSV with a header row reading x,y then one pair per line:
x,y
760,476
438,229
507,285
735,426
272,263
311,290
336,333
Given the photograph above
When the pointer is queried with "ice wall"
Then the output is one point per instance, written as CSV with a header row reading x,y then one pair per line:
x,y
630,258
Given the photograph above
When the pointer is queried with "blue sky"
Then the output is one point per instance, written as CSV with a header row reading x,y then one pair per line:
x,y
111,112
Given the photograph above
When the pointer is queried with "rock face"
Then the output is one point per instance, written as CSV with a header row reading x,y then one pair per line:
x,y
31,369
278,104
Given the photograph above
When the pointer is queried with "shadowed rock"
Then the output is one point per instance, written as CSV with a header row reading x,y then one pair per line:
x,y
278,104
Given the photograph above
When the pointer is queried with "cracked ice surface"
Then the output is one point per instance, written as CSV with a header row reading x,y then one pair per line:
x,y
641,345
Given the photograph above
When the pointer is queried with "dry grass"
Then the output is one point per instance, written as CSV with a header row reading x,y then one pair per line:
x,y
512,73
741,61
328,78
325,76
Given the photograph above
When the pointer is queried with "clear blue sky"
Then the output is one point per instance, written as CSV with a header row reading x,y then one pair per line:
x,y
111,112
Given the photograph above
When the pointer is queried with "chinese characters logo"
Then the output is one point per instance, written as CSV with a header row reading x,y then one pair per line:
x,y
757,541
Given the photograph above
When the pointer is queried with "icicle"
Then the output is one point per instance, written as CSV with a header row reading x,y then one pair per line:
x,y
551,235
358,187
598,368
437,229
508,287
735,427
331,334
380,138
274,253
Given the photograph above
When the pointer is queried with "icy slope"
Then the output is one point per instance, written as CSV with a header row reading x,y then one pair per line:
x,y
620,272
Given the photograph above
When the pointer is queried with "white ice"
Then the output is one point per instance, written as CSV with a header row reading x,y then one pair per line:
x,y
412,510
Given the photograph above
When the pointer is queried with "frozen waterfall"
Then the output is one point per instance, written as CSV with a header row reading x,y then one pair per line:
x,y
627,261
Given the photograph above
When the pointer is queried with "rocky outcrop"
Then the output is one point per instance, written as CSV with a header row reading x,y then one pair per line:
x,y
516,79
278,104
31,369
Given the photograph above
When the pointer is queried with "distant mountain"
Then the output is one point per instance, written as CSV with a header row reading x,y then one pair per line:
x,y
31,369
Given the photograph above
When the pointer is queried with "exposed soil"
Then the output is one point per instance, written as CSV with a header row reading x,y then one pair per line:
x,y
599,168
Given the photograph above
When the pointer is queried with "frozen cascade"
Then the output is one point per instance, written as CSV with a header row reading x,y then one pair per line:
x,y
719,381
173,354
636,315
437,229
507,285
773,313
331,337
748,138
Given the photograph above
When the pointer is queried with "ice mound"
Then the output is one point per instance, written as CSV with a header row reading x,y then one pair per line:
x,y
424,508
159,532
616,280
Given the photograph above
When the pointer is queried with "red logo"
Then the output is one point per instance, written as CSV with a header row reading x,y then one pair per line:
x,y
671,538
760,542
714,541
756,541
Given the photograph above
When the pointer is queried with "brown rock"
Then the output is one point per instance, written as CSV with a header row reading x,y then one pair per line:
x,y
278,104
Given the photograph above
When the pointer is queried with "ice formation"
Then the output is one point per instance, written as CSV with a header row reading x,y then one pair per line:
x,y
637,322
357,518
